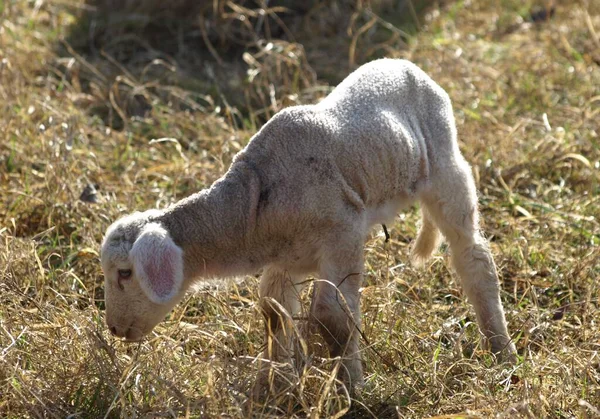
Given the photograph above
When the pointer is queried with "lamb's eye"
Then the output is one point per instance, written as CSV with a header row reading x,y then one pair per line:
x,y
124,273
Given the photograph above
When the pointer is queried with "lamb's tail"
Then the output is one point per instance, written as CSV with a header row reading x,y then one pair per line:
x,y
427,241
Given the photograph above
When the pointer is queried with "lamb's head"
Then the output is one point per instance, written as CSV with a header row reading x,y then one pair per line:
x,y
143,274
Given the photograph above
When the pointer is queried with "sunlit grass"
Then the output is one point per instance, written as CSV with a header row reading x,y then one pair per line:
x,y
81,104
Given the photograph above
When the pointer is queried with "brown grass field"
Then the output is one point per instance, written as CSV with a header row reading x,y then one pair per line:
x,y
86,85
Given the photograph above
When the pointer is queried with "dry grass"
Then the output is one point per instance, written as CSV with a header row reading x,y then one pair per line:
x,y
81,97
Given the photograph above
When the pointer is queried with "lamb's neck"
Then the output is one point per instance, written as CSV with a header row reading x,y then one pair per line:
x,y
214,229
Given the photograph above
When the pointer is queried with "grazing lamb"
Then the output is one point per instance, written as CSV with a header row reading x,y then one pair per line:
x,y
300,199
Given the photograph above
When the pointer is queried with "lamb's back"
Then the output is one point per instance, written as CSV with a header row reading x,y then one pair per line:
x,y
372,138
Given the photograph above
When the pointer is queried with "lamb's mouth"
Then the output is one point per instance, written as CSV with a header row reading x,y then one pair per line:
x,y
134,334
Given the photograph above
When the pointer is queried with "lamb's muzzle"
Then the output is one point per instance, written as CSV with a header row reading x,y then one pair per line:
x,y
301,199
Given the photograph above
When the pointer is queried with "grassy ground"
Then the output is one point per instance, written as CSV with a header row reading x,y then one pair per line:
x,y
82,95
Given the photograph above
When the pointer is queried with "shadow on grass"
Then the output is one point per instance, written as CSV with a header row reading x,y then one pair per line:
x,y
128,58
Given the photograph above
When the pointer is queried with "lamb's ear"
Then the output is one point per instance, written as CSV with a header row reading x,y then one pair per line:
x,y
157,263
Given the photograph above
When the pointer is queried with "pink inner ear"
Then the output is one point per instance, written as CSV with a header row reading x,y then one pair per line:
x,y
161,270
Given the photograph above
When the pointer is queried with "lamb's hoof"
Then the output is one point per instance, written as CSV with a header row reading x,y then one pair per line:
x,y
274,385
507,353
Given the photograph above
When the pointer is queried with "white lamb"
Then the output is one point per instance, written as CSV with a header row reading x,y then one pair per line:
x,y
301,199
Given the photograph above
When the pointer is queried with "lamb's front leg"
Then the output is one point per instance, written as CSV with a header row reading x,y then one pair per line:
x,y
336,308
279,300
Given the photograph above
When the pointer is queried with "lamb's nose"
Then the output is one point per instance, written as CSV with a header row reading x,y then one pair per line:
x,y
117,331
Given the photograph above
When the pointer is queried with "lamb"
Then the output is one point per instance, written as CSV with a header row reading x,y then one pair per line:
x,y
301,199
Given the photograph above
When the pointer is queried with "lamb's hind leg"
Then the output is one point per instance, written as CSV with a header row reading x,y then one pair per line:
x,y
452,202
